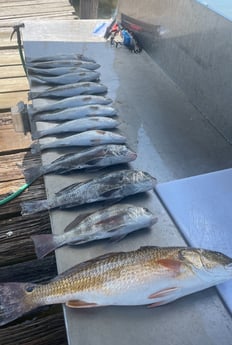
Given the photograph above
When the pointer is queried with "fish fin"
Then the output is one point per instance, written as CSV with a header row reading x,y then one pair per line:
x,y
76,221
116,238
94,161
32,95
35,148
14,302
69,188
109,193
36,134
45,244
31,174
173,265
158,304
164,292
80,304
30,207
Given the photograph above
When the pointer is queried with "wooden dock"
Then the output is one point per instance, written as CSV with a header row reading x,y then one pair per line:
x,y
17,257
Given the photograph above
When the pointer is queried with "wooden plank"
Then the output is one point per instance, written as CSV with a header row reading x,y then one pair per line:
x,y
7,100
11,166
15,233
43,327
13,4
14,84
5,121
11,71
12,141
22,12
9,22
9,57
13,208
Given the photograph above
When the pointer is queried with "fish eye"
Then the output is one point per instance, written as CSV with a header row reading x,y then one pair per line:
x,y
29,288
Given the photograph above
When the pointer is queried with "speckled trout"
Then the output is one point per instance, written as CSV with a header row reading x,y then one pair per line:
x,y
64,79
76,113
62,62
87,138
70,90
70,102
114,222
147,276
71,56
109,186
78,126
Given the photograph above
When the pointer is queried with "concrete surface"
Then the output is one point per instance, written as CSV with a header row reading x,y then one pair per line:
x,y
172,141
192,44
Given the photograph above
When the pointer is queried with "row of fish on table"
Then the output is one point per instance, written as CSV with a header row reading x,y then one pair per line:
x,y
146,276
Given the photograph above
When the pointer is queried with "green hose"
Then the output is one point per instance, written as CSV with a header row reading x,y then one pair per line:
x,y
14,195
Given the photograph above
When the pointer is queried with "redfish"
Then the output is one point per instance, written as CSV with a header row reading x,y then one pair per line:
x,y
147,276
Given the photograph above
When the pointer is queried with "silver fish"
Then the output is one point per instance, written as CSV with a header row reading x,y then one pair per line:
x,y
76,113
62,63
78,125
87,138
70,102
68,78
114,222
91,158
111,186
56,71
151,276
71,56
69,90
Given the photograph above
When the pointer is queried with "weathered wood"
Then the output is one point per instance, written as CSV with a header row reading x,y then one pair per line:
x,y
11,71
14,84
12,141
16,244
9,58
41,328
13,208
11,165
8,99
88,9
36,271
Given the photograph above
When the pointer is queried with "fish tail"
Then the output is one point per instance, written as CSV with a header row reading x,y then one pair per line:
x,y
14,301
45,244
31,174
35,148
32,95
36,135
30,207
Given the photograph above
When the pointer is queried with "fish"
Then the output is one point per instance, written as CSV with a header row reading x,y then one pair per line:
x,y
67,78
149,276
63,63
87,138
69,90
112,186
77,126
91,158
69,102
57,71
114,222
56,57
76,113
